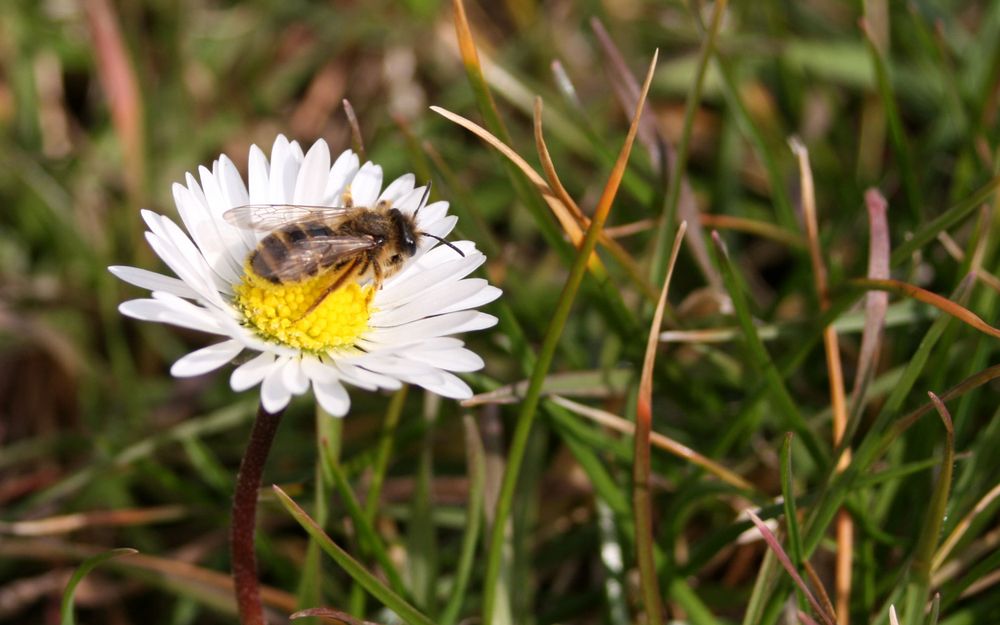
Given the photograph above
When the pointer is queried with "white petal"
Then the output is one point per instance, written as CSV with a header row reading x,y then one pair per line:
x,y
206,359
284,169
251,373
433,301
431,214
448,385
394,366
296,151
440,228
449,359
450,323
258,173
231,238
152,281
341,173
313,175
333,397
362,378
411,282
236,194
397,189
231,183
481,298
295,379
317,370
410,202
176,249
195,318
273,394
366,185
201,226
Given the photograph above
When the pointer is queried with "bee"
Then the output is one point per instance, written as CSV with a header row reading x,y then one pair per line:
x,y
347,242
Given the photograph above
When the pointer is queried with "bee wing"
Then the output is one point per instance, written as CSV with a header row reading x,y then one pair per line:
x,y
322,251
268,217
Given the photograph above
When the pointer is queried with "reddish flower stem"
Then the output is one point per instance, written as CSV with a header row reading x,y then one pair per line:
x,y
244,559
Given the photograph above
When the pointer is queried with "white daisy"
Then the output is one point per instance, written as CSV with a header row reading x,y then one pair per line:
x,y
359,335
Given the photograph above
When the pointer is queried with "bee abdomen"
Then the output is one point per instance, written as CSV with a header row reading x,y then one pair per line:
x,y
271,258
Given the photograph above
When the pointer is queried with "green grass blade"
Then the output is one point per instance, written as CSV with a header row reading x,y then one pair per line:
x,y
352,567
528,407
762,360
476,459
944,221
68,615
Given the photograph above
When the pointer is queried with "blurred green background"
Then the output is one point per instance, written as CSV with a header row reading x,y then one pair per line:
x,y
104,104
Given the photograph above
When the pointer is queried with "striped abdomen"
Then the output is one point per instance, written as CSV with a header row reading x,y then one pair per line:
x,y
279,257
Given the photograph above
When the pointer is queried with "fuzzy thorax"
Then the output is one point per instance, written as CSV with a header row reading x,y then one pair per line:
x,y
279,312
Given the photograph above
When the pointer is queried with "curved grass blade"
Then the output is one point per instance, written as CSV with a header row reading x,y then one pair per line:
x,y
876,306
661,154
474,518
835,374
788,496
665,443
567,202
943,304
923,553
762,359
530,405
897,133
958,533
944,221
641,497
775,546
386,439
663,242
352,567
330,615
488,109
68,616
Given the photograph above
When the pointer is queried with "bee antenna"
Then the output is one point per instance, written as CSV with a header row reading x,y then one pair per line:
x,y
423,200
446,242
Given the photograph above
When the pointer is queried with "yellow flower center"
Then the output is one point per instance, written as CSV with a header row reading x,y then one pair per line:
x,y
288,313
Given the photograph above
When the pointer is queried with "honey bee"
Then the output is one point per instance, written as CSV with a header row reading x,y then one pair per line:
x,y
348,242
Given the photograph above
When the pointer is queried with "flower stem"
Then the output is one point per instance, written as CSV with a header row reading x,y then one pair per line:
x,y
244,560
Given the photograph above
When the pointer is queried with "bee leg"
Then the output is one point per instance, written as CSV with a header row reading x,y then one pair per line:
x,y
348,272
378,275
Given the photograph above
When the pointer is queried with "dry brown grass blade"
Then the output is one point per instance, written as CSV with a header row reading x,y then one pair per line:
x,y
121,87
575,231
661,153
775,546
66,523
753,226
817,583
973,381
208,582
626,89
642,468
943,304
835,371
963,526
503,148
662,441
357,139
594,383
958,254
876,302
330,615
568,204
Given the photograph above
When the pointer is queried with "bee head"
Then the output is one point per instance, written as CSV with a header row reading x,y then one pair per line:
x,y
405,232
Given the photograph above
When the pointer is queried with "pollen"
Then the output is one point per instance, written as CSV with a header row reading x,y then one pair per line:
x,y
281,313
